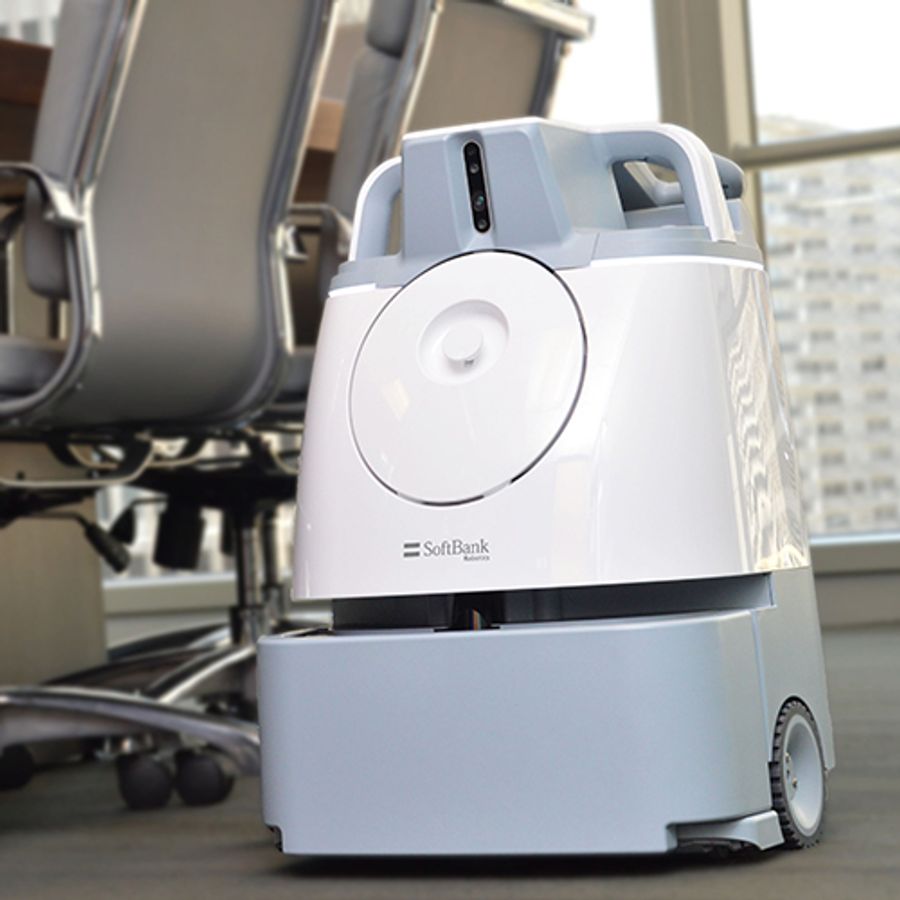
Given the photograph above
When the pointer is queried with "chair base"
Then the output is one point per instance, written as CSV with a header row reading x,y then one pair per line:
x,y
154,733
37,714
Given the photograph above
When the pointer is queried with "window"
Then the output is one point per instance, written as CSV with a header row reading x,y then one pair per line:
x,y
837,301
830,227
31,31
823,66
33,21
612,76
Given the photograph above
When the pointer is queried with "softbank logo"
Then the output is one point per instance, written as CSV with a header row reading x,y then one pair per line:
x,y
467,551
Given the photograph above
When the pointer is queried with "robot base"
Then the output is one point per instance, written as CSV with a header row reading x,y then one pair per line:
x,y
606,736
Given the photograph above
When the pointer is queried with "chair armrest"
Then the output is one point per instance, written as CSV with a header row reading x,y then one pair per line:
x,y
334,230
61,208
316,218
10,222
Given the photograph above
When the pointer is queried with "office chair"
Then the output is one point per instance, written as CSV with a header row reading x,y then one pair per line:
x,y
166,152
425,64
384,96
410,56
411,53
383,81
409,75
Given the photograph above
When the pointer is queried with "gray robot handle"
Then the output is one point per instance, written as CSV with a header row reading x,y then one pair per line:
x,y
374,209
678,149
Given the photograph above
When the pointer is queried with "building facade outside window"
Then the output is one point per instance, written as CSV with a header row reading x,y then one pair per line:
x,y
832,229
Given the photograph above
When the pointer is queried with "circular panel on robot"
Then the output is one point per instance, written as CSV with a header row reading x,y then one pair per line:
x,y
467,377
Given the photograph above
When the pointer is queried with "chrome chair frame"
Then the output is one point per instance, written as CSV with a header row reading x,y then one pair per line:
x,y
220,662
563,23
52,712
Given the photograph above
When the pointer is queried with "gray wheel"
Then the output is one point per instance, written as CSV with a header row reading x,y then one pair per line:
x,y
145,782
16,767
797,774
202,778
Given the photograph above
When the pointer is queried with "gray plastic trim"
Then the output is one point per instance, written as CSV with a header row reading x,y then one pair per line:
x,y
395,271
553,196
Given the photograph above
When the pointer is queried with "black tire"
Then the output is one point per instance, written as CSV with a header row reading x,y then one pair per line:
x,y
201,778
145,782
798,780
16,767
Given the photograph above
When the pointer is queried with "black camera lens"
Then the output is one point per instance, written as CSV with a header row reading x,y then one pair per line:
x,y
478,198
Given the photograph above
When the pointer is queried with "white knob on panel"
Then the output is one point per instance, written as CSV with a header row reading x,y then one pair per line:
x,y
462,344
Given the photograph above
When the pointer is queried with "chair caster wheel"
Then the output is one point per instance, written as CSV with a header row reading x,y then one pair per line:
x,y
16,767
144,781
200,778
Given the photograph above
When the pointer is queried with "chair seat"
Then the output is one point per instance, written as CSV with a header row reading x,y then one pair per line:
x,y
26,364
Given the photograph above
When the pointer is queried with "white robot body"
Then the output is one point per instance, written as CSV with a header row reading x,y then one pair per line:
x,y
662,451
572,429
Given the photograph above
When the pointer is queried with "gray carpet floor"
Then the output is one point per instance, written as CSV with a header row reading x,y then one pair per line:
x,y
66,834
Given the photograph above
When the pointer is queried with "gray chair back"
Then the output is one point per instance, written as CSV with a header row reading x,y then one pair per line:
x,y
487,61
175,127
376,95
430,64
